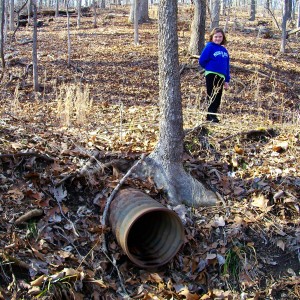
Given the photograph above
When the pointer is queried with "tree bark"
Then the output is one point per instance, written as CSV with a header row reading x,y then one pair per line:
x,y
78,13
143,12
197,40
102,4
298,21
136,21
2,37
164,164
69,35
12,15
283,25
252,10
95,13
56,8
215,14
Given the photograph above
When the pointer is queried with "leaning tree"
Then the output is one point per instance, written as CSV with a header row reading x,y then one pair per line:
x,y
165,164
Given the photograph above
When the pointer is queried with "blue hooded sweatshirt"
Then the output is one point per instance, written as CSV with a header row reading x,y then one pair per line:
x,y
215,58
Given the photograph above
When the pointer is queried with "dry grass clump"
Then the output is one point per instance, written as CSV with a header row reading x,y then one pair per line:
x,y
74,104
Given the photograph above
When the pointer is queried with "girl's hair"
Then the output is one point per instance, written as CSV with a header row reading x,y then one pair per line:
x,y
218,30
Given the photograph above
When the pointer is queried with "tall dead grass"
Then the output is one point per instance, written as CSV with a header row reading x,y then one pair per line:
x,y
74,105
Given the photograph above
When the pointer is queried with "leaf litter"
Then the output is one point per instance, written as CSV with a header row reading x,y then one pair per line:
x,y
60,160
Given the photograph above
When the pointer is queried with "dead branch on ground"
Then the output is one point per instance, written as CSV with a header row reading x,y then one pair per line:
x,y
24,154
262,132
29,215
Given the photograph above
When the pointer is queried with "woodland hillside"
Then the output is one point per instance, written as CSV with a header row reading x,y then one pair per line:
x,y
64,149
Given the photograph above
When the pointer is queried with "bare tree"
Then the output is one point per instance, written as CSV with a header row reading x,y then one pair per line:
x,y
252,10
164,165
56,8
285,15
29,8
298,22
12,15
95,13
69,36
143,12
102,4
215,13
78,12
34,48
197,40
136,21
2,37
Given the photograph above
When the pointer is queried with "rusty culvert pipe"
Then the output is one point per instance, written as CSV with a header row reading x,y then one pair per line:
x,y
149,233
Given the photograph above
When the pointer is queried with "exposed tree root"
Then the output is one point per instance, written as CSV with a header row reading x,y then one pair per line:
x,y
179,186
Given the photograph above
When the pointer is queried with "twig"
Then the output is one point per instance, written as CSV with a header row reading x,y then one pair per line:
x,y
22,154
29,215
104,217
116,189
62,213
70,242
113,262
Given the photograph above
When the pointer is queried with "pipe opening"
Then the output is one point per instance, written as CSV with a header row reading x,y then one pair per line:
x,y
149,233
153,238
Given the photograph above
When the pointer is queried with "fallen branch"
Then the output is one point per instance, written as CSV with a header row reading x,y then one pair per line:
x,y
250,132
94,166
29,215
292,31
14,260
24,154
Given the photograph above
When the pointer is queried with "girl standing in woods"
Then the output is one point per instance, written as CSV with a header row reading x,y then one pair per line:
x,y
215,60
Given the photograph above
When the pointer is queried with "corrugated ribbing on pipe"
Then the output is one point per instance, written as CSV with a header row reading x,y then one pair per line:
x,y
149,233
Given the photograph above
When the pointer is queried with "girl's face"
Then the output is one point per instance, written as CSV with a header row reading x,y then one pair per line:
x,y
217,38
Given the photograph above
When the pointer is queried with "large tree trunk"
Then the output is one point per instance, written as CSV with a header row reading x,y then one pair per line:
x,y
198,28
164,164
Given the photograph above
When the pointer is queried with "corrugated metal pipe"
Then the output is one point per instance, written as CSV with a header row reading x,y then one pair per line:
x,y
149,233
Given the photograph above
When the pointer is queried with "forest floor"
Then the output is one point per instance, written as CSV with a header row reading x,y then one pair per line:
x,y
105,106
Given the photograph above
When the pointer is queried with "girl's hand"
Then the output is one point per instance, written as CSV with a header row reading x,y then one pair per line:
x,y
226,85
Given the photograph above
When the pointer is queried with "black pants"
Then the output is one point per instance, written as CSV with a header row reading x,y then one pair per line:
x,y
214,87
